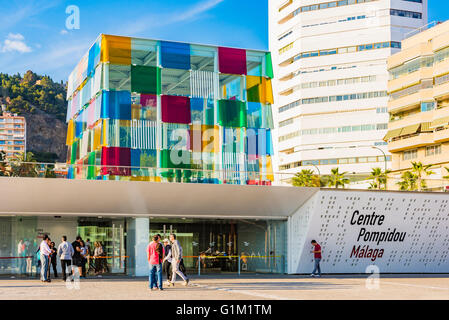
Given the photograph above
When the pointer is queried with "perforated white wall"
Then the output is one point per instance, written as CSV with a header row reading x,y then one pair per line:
x,y
353,227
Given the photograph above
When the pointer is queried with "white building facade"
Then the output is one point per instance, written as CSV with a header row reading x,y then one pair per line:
x,y
331,77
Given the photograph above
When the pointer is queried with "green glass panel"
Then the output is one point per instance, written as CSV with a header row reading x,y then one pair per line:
x,y
145,79
232,113
91,168
269,65
73,155
168,162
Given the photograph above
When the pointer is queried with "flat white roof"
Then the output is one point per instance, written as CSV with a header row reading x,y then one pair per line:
x,y
39,196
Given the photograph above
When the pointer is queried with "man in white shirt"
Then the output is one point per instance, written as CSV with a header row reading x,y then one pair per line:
x,y
65,251
45,252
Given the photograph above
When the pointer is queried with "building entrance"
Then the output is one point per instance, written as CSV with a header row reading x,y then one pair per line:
x,y
222,245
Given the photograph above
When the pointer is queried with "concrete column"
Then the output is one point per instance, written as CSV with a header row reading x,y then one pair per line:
x,y
137,239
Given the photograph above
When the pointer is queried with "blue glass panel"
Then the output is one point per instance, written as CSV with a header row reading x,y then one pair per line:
x,y
116,105
175,55
94,58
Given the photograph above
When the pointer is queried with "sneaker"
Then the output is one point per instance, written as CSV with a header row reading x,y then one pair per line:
x,y
186,282
160,289
312,275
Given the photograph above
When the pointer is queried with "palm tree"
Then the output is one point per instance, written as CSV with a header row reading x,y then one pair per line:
x,y
447,169
421,170
305,178
4,170
379,178
21,166
337,179
408,182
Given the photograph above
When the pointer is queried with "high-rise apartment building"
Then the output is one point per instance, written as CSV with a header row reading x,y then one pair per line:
x,y
330,65
419,102
12,134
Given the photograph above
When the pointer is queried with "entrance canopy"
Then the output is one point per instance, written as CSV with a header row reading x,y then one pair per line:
x,y
38,196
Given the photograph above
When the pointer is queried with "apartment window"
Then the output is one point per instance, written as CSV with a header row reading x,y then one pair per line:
x,y
410,154
285,35
286,48
285,123
441,79
406,14
372,159
427,106
433,150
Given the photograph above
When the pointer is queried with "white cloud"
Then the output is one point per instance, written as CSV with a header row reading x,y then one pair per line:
x,y
15,42
15,36
63,31
153,21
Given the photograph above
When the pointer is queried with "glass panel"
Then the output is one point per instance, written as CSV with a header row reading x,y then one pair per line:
x,y
175,82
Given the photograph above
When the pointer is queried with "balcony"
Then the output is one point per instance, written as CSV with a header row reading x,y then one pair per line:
x,y
441,91
408,102
410,142
441,136
409,79
418,117
441,68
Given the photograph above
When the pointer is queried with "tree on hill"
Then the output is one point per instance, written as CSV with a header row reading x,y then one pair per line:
x,y
30,92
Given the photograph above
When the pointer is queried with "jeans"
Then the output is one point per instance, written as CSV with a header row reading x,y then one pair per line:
x,y
155,270
44,267
65,266
317,266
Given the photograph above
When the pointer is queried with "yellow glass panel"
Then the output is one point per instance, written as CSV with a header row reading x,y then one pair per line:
x,y
135,111
252,81
268,91
97,137
70,133
116,50
269,166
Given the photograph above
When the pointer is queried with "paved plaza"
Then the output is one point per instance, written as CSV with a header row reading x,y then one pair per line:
x,y
230,287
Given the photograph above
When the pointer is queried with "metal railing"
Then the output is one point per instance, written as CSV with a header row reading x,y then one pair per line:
x,y
196,175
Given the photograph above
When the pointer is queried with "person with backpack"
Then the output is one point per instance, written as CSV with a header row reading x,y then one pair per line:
x,y
155,253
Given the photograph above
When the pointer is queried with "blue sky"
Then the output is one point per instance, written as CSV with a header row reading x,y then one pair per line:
x,y
33,33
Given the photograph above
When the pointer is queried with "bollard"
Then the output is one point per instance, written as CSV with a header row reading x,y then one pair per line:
x,y
199,265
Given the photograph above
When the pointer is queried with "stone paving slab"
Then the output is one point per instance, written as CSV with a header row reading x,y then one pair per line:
x,y
232,287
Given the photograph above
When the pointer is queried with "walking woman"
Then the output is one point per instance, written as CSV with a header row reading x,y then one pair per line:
x,y
98,253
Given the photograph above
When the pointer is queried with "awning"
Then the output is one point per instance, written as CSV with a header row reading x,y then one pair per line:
x,y
392,134
426,126
410,129
440,122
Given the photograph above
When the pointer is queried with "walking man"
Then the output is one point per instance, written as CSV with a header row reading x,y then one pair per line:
x,y
45,253
65,251
155,253
317,255
176,253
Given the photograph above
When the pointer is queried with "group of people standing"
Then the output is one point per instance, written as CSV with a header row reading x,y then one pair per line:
x,y
165,257
73,256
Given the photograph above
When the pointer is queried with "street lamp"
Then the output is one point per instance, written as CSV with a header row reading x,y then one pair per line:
x,y
385,156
